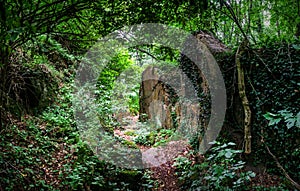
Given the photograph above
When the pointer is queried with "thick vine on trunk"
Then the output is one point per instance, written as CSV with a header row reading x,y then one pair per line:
x,y
243,96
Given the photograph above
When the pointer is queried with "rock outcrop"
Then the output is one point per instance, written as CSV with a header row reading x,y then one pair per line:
x,y
160,94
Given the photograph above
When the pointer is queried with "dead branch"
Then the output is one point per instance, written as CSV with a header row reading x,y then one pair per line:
x,y
294,183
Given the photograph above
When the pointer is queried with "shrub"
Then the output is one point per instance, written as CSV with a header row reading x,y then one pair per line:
x,y
219,171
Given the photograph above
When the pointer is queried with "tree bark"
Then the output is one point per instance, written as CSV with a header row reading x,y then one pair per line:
x,y
4,59
244,99
298,24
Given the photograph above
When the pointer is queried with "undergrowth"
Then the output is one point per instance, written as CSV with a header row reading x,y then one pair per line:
x,y
220,170
45,152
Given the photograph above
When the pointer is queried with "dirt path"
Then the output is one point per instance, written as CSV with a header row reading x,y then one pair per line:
x,y
166,177
159,160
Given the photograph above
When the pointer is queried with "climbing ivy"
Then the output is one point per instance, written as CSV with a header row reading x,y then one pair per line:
x,y
272,76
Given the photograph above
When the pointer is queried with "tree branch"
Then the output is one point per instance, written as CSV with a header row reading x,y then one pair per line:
x,y
148,53
294,183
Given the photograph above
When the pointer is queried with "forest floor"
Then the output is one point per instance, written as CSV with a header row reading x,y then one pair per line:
x,y
161,161
158,160
163,174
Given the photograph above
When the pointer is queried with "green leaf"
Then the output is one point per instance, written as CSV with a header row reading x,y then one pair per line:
x,y
286,114
269,116
228,154
298,120
290,122
296,46
252,174
274,121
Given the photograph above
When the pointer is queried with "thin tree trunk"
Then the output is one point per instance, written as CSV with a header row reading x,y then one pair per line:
x,y
260,20
4,67
298,24
242,94
278,32
249,17
3,78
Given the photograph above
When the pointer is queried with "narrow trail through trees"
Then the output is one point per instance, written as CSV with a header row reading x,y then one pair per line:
x,y
157,160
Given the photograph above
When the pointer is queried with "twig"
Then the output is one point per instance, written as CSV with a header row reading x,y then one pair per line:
x,y
148,53
269,70
297,186
24,176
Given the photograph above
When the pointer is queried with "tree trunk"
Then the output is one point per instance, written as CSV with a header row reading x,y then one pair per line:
x,y
3,78
298,24
242,94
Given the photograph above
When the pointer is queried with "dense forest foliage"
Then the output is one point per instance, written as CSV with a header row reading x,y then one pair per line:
x,y
43,44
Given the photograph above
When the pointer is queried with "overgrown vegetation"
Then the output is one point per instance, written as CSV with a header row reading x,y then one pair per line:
x,y
43,42
219,171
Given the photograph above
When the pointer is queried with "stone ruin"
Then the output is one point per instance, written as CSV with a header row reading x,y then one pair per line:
x,y
160,103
